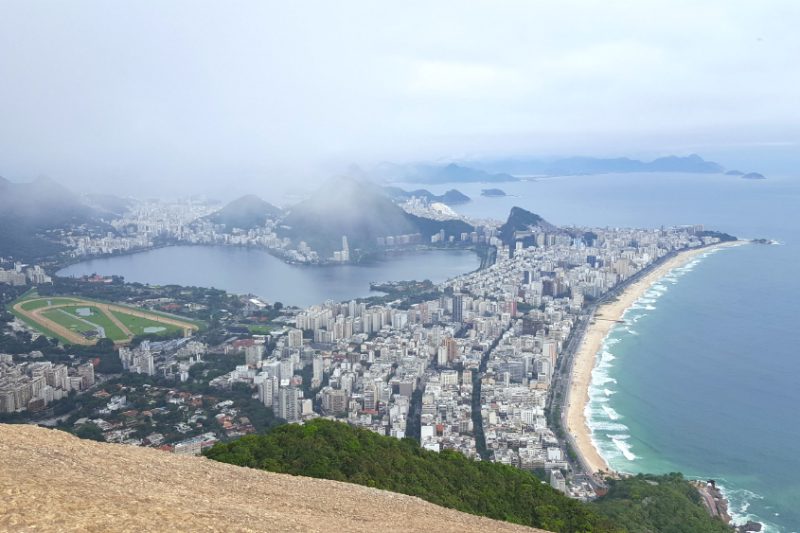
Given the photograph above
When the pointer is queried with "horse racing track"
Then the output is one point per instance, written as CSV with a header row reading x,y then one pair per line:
x,y
80,321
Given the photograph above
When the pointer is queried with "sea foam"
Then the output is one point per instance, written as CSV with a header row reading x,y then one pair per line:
x,y
624,447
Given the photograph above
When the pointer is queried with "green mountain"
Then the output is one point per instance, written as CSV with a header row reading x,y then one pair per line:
x,y
362,212
521,220
30,212
246,213
333,450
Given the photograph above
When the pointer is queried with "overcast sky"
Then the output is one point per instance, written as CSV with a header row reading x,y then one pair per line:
x,y
137,94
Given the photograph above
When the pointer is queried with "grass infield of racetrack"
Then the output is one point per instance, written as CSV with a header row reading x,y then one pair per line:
x,y
58,317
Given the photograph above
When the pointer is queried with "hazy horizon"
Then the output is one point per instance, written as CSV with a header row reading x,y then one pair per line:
x,y
204,98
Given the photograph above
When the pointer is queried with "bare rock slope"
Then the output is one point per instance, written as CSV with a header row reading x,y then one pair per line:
x,y
52,481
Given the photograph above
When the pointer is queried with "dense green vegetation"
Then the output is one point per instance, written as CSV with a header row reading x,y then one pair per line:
x,y
657,503
332,450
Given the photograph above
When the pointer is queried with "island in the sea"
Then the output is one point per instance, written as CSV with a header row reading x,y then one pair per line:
x,y
493,193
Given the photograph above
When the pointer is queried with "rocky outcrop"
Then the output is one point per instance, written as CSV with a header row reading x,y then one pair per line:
x,y
52,481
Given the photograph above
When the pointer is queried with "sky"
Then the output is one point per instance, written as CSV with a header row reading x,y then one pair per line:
x,y
204,97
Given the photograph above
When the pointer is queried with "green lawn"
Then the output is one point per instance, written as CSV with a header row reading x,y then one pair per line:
x,y
98,317
162,313
137,325
38,304
69,318
68,321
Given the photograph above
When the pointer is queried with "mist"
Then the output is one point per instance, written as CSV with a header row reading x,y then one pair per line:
x,y
180,97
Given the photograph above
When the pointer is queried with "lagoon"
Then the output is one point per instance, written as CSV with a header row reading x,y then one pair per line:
x,y
254,271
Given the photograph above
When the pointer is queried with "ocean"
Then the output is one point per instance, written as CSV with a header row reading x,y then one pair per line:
x,y
704,377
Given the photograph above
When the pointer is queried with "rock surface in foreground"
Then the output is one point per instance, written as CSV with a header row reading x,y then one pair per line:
x,y
50,480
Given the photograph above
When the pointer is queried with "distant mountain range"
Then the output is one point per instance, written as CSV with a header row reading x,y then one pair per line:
x,y
435,174
511,169
451,197
360,210
245,213
593,165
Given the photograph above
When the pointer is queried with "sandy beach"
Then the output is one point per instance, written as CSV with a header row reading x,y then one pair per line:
x,y
605,318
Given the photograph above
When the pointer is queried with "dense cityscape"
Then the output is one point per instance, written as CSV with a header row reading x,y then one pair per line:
x,y
467,365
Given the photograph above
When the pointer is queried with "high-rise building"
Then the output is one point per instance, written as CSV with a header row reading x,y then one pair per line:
x,y
266,391
458,308
334,401
295,339
317,369
252,355
86,372
289,407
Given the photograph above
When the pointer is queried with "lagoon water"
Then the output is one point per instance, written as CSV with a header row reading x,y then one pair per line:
x,y
705,378
254,271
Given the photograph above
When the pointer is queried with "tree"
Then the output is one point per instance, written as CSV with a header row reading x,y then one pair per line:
x,y
90,431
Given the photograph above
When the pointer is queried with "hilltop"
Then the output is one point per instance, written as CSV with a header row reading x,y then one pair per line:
x,y
521,220
246,213
51,481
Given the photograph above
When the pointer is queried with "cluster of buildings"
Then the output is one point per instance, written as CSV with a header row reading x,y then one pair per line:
x,y
140,226
422,207
148,223
491,339
166,418
21,274
170,359
32,386
484,352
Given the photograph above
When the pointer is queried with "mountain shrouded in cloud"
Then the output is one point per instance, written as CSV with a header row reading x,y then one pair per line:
x,y
246,212
360,211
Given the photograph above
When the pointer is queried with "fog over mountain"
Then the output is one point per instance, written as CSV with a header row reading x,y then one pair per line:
x,y
184,97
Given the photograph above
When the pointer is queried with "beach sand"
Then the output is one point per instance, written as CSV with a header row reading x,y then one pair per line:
x,y
604,320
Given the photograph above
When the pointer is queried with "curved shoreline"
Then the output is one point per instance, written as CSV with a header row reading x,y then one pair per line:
x,y
605,317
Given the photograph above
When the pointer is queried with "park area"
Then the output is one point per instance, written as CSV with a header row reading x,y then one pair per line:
x,y
80,321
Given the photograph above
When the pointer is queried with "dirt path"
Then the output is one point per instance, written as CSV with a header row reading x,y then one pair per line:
x,y
116,321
